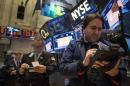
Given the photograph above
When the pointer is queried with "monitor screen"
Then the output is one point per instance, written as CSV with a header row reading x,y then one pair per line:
x,y
59,25
63,40
112,19
111,12
53,8
48,44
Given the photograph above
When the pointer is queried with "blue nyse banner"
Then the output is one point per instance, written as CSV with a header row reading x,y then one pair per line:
x,y
65,22
80,10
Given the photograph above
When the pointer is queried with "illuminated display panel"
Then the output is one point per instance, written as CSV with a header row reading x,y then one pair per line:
x,y
59,25
53,10
113,19
13,32
48,44
62,40
83,8
111,12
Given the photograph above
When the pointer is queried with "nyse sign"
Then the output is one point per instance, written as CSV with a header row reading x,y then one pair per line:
x,y
81,10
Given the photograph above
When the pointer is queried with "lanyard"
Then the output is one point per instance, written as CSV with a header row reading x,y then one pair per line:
x,y
36,57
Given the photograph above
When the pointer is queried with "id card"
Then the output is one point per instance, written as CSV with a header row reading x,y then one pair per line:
x,y
36,63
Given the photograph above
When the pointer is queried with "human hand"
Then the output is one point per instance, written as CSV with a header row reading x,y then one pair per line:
x,y
23,68
89,54
40,69
13,72
98,64
115,70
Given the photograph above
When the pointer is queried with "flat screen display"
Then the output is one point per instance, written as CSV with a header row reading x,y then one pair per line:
x,y
111,12
113,19
63,40
48,44
59,25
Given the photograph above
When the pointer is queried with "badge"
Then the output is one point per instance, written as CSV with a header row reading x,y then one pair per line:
x,y
53,59
36,63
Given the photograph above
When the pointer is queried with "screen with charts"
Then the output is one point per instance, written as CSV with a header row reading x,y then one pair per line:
x,y
62,40
111,12
48,44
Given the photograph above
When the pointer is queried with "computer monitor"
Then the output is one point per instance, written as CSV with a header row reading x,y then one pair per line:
x,y
111,12
63,40
48,45
59,25
110,15
113,19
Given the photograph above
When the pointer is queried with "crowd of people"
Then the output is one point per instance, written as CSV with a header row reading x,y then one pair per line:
x,y
34,68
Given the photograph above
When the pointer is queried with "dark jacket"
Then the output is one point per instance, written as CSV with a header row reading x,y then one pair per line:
x,y
36,79
71,66
2,76
7,59
12,80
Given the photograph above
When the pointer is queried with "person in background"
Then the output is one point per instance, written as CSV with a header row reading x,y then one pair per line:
x,y
77,57
11,70
38,65
8,56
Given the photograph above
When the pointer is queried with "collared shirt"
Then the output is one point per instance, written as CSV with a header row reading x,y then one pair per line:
x,y
37,55
17,62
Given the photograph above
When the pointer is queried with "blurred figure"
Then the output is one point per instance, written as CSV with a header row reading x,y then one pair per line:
x,y
8,56
11,70
2,77
38,65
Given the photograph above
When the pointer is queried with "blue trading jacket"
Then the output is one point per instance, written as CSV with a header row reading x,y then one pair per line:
x,y
73,56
